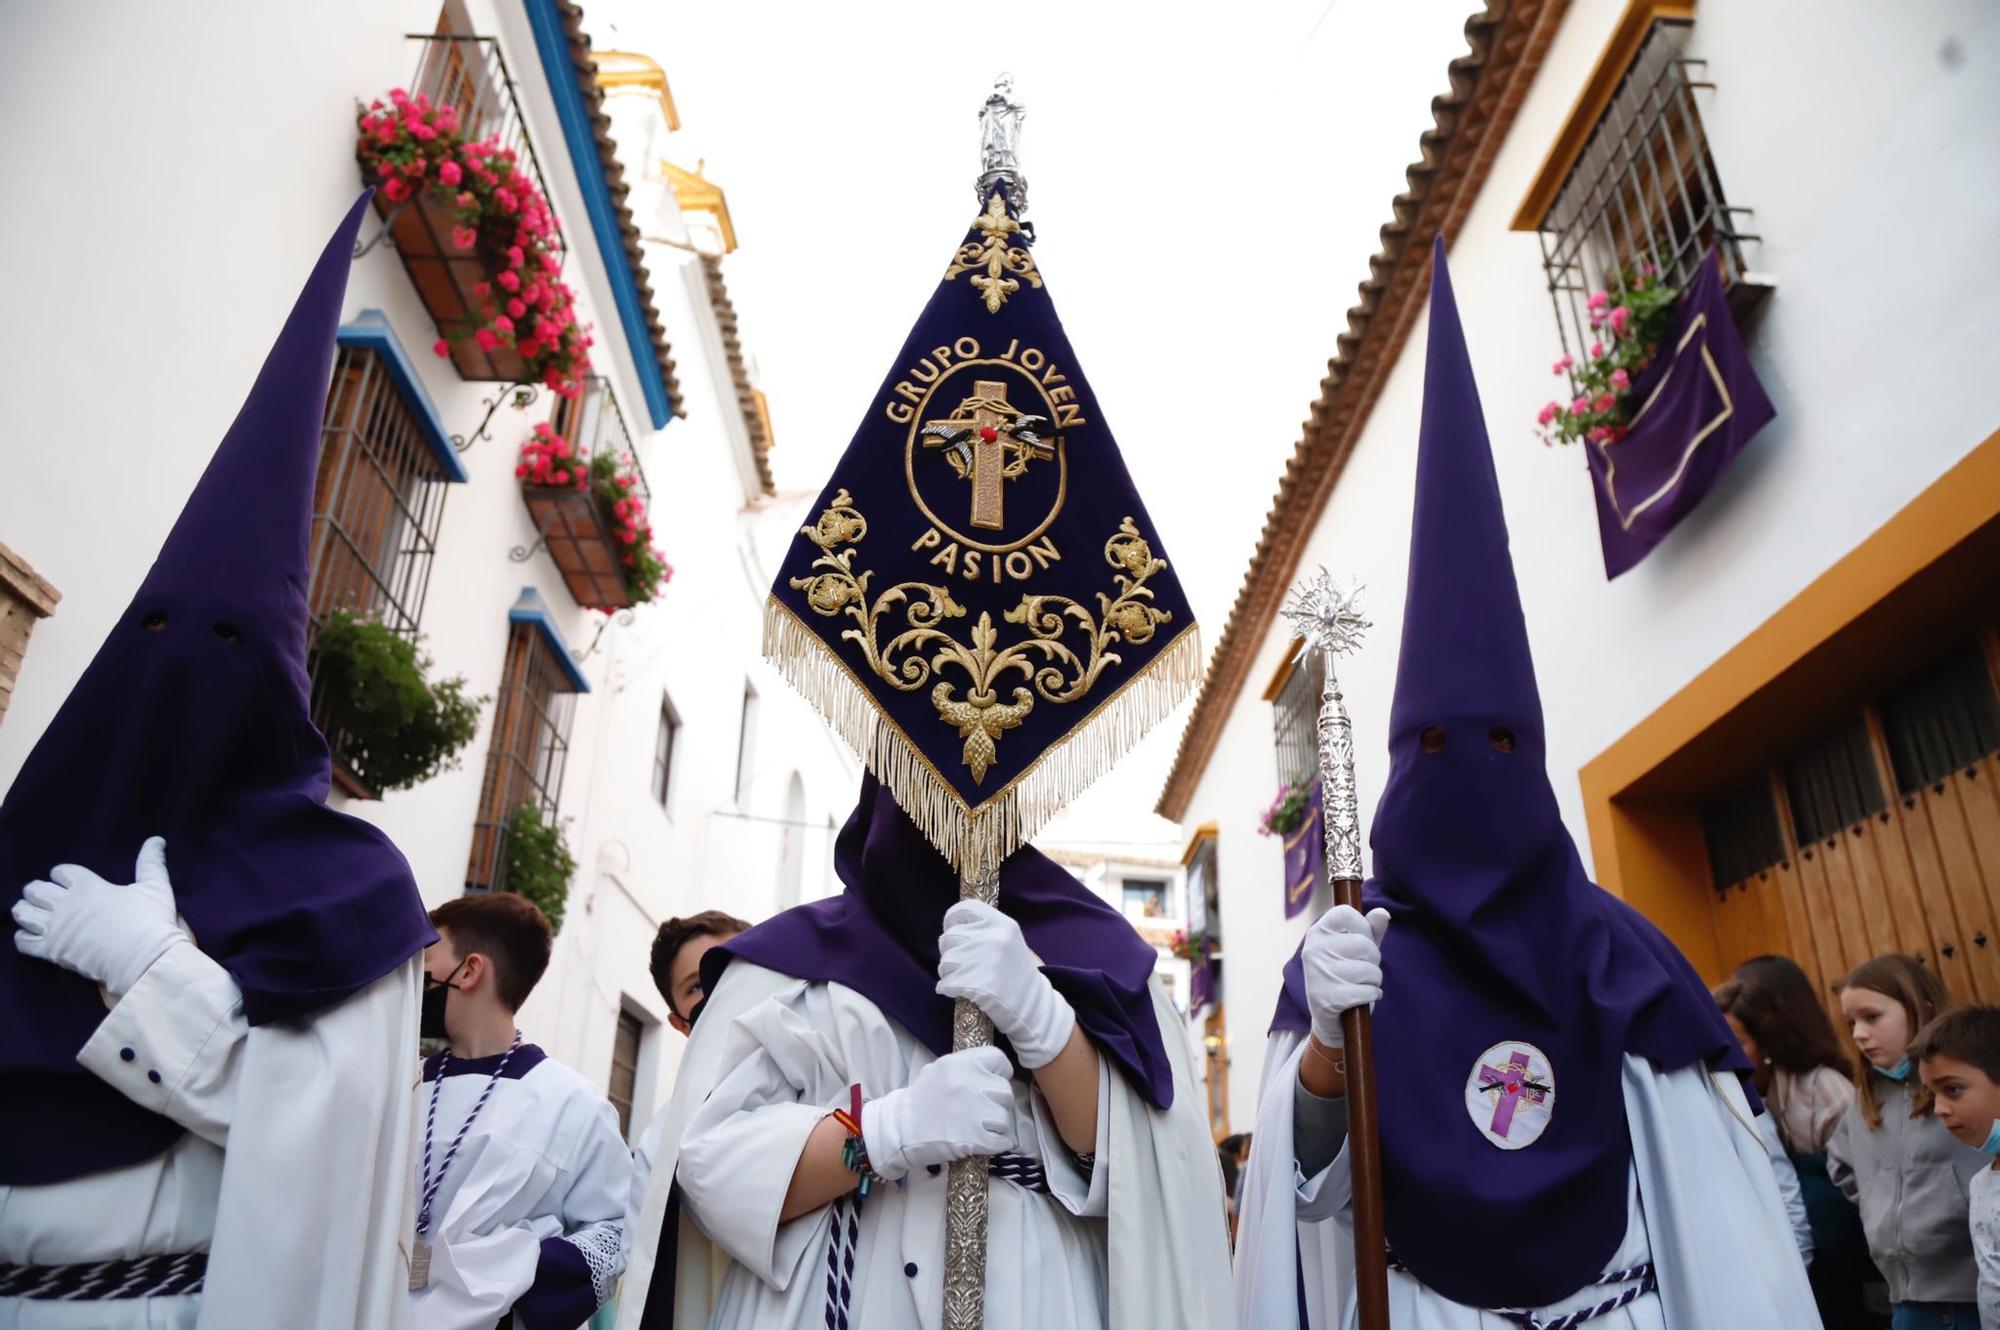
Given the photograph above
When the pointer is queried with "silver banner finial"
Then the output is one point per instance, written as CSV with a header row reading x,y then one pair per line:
x,y
1000,145
1330,622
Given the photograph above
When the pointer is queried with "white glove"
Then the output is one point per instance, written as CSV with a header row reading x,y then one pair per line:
x,y
108,932
1343,964
982,956
959,1106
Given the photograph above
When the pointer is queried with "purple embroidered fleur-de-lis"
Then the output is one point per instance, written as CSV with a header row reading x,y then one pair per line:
x,y
1513,1087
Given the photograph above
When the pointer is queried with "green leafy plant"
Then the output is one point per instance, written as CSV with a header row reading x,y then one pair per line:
x,y
387,720
539,864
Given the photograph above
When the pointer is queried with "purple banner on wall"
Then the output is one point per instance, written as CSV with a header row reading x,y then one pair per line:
x,y
1699,403
1305,857
1201,984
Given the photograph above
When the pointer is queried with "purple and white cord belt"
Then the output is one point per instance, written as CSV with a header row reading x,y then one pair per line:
x,y
162,1276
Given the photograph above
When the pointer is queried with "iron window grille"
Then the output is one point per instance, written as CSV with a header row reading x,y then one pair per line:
x,y
1643,190
1946,718
469,73
378,502
1295,721
530,747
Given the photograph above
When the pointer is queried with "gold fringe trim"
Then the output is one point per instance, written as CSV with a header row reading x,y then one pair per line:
x,y
970,836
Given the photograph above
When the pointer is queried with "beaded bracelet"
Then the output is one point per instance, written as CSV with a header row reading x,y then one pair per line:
x,y
854,1153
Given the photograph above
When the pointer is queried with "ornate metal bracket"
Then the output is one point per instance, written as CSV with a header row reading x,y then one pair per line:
x,y
383,236
623,618
523,553
522,397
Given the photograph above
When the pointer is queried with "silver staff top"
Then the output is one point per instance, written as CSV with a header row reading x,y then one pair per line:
x,y
1000,145
1330,622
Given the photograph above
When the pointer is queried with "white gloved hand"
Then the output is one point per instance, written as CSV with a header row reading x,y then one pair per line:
x,y
982,956
1343,965
959,1106
105,931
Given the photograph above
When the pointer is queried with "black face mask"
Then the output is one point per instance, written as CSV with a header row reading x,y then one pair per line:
x,y
430,1025
694,1012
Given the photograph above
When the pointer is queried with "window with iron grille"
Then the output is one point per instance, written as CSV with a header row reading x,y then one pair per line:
x,y
1743,834
1644,191
1833,784
663,750
378,501
524,763
1945,718
625,1069
1295,721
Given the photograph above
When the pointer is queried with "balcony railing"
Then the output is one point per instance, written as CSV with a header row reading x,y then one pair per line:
x,y
571,523
470,74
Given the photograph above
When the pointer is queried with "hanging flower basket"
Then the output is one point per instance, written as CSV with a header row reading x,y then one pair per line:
x,y
1193,947
591,513
1628,323
480,242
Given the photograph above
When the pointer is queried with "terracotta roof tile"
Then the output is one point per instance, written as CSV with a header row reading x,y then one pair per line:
x,y
614,179
746,395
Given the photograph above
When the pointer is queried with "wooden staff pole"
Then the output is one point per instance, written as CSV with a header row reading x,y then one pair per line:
x,y
1330,622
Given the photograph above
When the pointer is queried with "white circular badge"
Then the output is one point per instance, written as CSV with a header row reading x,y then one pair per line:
x,y
1511,1094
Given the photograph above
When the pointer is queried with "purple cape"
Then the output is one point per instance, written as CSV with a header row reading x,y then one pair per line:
x,y
880,938
192,723
1498,937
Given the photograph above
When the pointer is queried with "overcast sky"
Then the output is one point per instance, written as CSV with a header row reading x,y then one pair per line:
x,y
1207,183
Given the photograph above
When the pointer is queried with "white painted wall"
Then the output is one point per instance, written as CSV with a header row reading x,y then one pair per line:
x,y
173,175
1866,142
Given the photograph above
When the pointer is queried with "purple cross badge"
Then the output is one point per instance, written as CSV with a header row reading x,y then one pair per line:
x,y
1511,1094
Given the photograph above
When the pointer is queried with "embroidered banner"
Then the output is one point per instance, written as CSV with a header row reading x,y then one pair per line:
x,y
1699,403
981,606
1305,856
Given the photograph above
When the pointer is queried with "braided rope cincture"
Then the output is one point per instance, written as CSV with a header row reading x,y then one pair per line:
x,y
163,1276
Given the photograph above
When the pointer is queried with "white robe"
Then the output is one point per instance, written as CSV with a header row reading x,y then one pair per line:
x,y
1139,1242
294,1175
543,1160
1703,1207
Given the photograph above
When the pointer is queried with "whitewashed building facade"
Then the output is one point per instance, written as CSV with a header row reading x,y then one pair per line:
x,y
1778,732
144,289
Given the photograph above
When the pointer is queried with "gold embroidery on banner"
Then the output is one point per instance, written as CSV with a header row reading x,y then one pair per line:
x,y
988,441
920,442
996,256
1687,454
920,648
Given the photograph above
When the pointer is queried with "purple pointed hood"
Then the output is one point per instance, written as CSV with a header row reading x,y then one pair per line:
x,y
192,723
1514,987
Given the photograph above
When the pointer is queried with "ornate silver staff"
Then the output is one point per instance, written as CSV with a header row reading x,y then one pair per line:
x,y
965,1189
1329,621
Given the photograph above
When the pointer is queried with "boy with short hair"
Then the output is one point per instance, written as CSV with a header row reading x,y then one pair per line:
x,y
522,1174
1959,1059
1958,1056
676,960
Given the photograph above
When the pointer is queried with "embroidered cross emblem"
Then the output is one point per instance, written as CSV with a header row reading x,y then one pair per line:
x,y
989,442
1512,1086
